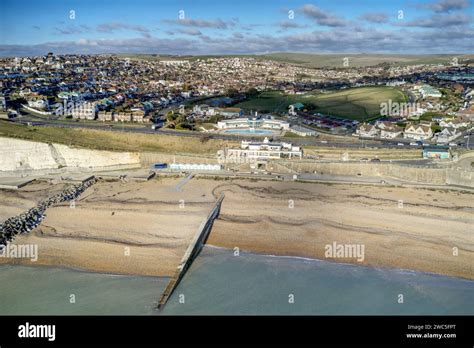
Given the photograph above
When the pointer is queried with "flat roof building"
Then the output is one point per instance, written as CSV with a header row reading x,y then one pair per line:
x,y
253,123
436,152
260,151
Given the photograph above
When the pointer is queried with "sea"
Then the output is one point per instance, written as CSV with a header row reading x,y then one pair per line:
x,y
221,283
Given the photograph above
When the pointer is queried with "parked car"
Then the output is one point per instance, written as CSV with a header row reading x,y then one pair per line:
x,y
414,144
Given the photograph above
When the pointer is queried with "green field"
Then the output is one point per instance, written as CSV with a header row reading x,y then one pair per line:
x,y
354,103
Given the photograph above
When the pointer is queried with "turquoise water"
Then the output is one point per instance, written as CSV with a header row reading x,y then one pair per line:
x,y
220,283
247,131
44,290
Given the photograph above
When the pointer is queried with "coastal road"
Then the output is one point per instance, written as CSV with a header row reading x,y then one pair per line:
x,y
37,121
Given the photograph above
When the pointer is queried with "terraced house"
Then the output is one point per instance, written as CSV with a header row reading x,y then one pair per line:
x,y
418,131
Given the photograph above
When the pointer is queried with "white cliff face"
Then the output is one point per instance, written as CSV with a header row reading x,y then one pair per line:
x,y
92,158
23,155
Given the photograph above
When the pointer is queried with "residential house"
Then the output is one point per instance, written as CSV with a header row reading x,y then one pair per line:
x,y
390,132
138,115
418,131
447,135
123,117
85,111
105,116
458,122
365,130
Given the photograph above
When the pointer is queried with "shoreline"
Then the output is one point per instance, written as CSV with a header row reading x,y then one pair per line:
x,y
81,270
318,260
146,218
242,253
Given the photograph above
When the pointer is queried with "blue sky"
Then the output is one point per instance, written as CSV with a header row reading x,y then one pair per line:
x,y
218,27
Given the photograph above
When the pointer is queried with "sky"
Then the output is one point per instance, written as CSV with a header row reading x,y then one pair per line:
x,y
197,27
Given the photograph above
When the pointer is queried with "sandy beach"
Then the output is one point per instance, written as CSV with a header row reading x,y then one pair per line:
x,y
420,235
122,228
140,228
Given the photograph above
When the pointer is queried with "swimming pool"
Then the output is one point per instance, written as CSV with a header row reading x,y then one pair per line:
x,y
249,131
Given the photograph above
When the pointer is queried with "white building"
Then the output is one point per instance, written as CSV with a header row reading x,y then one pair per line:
x,y
38,103
195,166
3,104
456,123
391,132
302,131
175,62
429,91
253,123
388,130
418,131
85,111
447,135
258,151
367,131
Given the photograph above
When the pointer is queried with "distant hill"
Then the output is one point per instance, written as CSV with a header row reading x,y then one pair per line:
x,y
311,60
361,60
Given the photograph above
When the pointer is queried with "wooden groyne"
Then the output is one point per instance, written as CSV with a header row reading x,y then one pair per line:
x,y
192,251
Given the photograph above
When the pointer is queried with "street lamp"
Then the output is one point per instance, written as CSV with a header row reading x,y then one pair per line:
x,y
468,138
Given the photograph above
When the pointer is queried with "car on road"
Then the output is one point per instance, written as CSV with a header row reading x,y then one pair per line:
x,y
400,144
414,143
324,142
375,160
453,144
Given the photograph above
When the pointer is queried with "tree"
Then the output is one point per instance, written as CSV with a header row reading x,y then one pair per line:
x,y
232,92
252,92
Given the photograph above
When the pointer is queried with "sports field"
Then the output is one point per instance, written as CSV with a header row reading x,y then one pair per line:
x,y
360,103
